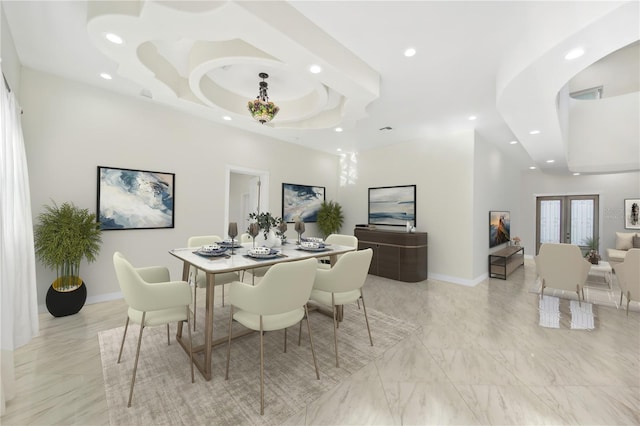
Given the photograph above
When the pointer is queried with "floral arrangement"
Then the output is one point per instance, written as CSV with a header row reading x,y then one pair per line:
x,y
516,240
263,111
265,221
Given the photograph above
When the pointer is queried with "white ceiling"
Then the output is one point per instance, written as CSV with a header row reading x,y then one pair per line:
x,y
499,61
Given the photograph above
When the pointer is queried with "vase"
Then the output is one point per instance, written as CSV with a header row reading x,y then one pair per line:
x,y
270,241
61,303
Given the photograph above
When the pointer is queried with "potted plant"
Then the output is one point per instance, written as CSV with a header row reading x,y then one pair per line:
x,y
592,250
266,221
64,236
330,218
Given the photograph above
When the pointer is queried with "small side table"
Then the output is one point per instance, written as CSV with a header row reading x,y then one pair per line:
x,y
603,268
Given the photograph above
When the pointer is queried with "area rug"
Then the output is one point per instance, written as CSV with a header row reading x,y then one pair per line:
x,y
555,313
164,394
596,291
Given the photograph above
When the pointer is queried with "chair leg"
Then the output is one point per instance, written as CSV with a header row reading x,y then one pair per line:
x,y
126,326
628,301
542,289
300,329
261,368
222,295
168,336
135,364
226,375
366,317
195,305
193,379
335,328
620,297
313,352
285,340
578,293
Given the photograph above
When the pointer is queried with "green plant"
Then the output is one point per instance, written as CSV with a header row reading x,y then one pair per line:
x,y
330,218
63,236
591,243
265,221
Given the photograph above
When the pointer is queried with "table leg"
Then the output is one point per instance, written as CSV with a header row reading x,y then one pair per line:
x,y
185,277
208,326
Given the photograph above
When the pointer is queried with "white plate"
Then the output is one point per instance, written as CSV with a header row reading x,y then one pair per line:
x,y
271,255
313,248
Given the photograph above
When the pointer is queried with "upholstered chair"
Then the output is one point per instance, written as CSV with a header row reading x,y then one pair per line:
x,y
199,278
343,284
153,300
278,301
561,266
628,273
340,240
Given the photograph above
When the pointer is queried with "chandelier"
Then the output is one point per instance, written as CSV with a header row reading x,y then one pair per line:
x,y
261,108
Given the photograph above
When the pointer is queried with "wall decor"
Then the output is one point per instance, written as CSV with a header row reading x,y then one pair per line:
x,y
135,199
301,201
392,205
632,213
499,228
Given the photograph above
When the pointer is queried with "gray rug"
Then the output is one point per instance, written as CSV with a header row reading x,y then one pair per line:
x,y
164,393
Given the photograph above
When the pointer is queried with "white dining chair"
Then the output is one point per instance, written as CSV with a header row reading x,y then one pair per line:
x,y
628,274
341,240
199,278
278,301
153,300
343,284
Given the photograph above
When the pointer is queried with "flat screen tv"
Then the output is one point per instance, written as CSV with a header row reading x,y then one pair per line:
x,y
392,205
499,228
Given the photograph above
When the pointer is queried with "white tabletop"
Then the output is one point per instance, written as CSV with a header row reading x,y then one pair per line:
x,y
240,260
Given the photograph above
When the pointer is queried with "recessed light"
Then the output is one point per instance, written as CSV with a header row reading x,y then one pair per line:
x,y
410,52
226,118
534,132
576,174
106,76
338,129
114,38
472,117
315,69
551,161
339,150
532,167
575,53
513,142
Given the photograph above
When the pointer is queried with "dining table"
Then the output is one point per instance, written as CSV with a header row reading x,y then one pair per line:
x,y
240,260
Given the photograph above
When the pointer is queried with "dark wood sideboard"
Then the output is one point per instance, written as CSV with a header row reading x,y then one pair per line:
x,y
400,256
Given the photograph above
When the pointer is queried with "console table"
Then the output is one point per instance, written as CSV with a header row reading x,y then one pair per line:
x,y
400,256
504,262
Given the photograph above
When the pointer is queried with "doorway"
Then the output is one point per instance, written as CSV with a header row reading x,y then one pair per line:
x,y
571,219
247,191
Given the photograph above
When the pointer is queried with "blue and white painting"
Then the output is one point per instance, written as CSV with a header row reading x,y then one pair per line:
x,y
394,205
135,199
301,201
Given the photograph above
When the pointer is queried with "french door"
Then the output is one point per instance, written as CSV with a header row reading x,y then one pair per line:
x,y
566,219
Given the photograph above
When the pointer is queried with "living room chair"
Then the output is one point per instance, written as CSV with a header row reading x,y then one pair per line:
x,y
343,284
628,273
153,300
200,277
561,266
278,301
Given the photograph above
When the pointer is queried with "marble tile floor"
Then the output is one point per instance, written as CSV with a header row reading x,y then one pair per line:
x,y
479,358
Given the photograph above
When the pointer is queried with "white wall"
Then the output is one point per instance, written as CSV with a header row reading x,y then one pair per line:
x,y
496,186
71,128
612,189
442,169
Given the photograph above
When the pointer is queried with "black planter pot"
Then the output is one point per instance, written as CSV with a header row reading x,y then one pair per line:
x,y
63,303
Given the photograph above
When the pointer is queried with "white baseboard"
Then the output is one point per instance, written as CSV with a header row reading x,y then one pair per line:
x,y
456,280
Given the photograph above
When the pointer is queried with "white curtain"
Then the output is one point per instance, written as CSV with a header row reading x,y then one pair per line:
x,y
18,301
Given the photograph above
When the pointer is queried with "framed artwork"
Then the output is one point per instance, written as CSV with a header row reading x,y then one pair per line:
x,y
499,228
301,201
632,213
135,199
392,205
